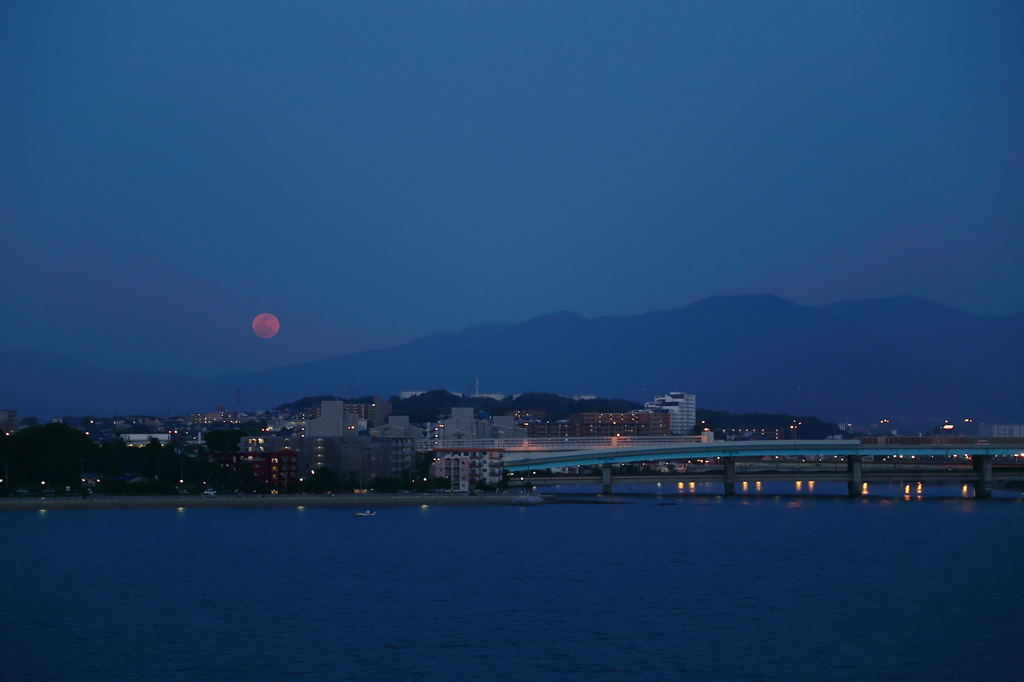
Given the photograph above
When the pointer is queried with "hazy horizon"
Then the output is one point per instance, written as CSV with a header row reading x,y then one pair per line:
x,y
230,370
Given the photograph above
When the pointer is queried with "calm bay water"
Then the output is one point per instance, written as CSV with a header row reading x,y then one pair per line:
x,y
699,587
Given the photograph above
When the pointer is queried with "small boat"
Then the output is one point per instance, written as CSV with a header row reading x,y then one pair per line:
x,y
366,513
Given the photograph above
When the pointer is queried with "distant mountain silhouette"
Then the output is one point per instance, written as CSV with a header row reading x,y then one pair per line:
x,y
896,358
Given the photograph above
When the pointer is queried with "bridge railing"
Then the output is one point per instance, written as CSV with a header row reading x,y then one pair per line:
x,y
553,444
940,440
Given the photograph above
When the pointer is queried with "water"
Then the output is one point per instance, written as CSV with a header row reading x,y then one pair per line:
x,y
699,587
755,489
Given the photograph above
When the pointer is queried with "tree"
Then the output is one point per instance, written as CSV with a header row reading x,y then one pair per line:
x,y
390,485
54,453
304,403
809,427
560,407
224,441
324,480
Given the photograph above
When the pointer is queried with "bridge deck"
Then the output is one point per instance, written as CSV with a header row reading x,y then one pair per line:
x,y
794,449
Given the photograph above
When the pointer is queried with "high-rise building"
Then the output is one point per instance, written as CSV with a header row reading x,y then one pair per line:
x,y
8,421
681,406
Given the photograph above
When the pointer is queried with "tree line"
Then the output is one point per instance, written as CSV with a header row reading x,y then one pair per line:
x,y
56,458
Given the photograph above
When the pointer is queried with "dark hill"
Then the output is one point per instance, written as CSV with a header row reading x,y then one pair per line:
x,y
857,360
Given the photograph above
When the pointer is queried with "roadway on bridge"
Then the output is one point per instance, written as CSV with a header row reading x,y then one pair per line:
x,y
792,448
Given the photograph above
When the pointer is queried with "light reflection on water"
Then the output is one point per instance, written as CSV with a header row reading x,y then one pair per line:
x,y
897,489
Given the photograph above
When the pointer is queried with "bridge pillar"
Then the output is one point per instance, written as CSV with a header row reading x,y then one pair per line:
x,y
983,485
606,479
730,475
853,466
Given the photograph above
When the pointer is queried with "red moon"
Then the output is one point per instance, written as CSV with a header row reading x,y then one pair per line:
x,y
266,325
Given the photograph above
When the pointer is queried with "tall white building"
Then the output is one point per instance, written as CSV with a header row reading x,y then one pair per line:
x,y
682,408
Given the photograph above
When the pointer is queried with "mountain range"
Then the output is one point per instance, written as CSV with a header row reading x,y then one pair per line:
x,y
900,358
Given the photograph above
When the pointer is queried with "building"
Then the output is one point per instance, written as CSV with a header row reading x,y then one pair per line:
x,y
756,434
464,469
142,439
374,413
606,424
998,430
270,443
334,421
341,440
462,425
8,421
559,429
361,458
397,427
681,406
275,470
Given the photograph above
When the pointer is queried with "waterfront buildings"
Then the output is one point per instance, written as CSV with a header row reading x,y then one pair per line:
x,y
276,470
361,458
341,441
466,468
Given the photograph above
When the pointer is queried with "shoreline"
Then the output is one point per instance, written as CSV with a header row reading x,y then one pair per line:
x,y
367,500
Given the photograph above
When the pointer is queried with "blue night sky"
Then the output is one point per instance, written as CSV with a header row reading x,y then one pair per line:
x,y
371,172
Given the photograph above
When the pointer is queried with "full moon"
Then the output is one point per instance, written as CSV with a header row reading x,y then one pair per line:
x,y
265,325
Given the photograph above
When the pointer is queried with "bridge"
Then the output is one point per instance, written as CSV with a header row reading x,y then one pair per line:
x,y
950,459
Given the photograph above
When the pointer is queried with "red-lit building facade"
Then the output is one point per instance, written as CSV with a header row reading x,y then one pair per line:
x,y
276,470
